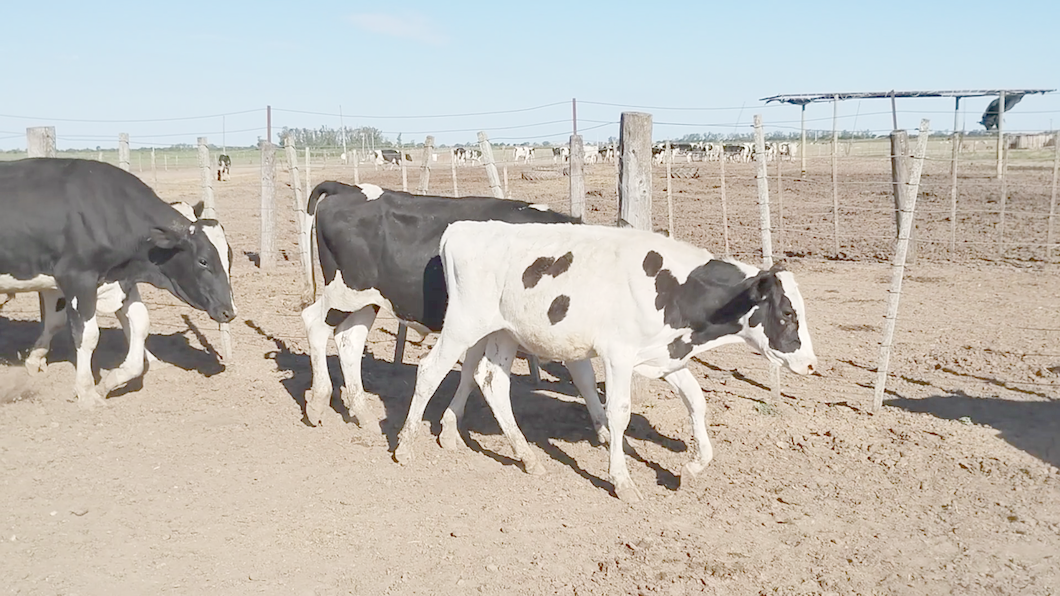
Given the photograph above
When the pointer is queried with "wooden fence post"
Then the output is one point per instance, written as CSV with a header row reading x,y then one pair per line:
x,y
780,203
154,168
899,173
1052,202
634,171
40,141
210,212
123,151
491,167
300,217
507,194
577,177
908,188
206,179
1004,192
356,167
669,189
1001,136
762,179
308,168
835,173
953,191
425,169
404,170
267,254
452,166
724,204
802,148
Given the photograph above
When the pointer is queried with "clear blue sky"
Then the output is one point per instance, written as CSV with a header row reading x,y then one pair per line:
x,y
81,66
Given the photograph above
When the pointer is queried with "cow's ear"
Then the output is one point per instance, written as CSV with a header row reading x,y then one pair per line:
x,y
762,285
163,237
197,209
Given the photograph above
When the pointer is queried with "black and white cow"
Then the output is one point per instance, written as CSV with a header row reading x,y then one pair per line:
x,y
524,153
640,301
560,154
462,155
224,167
73,225
389,157
130,311
379,249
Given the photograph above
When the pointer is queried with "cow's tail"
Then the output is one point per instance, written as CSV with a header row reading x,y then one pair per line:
x,y
327,187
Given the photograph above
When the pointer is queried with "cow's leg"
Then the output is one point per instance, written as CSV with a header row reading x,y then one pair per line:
x,y
81,311
53,317
618,375
318,331
350,337
686,385
493,375
123,318
135,322
454,413
432,369
581,372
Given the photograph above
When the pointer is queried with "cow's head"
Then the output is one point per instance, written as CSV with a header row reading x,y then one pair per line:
x,y
194,260
776,326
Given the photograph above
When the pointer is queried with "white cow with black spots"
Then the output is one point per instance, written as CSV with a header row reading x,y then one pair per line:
x,y
641,302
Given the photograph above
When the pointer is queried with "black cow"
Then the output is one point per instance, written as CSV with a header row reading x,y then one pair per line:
x,y
73,225
990,116
224,167
379,249
389,156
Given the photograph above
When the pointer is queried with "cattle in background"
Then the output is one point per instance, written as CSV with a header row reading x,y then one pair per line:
x,y
990,116
466,154
639,301
787,151
524,153
224,167
608,152
130,311
737,152
560,154
592,153
73,225
379,249
389,157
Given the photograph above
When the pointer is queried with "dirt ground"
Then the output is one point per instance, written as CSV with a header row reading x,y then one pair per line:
x,y
205,480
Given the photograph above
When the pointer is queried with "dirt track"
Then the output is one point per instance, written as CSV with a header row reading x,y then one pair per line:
x,y
206,480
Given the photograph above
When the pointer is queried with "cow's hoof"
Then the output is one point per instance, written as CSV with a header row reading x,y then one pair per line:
x,y
628,493
403,453
534,468
314,414
603,436
450,437
36,366
90,401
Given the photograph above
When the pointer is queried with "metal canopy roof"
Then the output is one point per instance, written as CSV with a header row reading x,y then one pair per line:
x,y
806,98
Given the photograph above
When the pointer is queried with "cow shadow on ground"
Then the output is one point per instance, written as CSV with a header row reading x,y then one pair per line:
x,y
17,338
543,419
1031,426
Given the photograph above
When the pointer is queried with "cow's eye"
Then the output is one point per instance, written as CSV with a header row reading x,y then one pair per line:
x,y
202,262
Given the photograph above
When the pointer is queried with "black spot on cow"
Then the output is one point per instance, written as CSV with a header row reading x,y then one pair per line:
x,y
653,262
779,320
536,271
334,317
489,377
558,309
679,348
543,266
561,265
712,301
60,305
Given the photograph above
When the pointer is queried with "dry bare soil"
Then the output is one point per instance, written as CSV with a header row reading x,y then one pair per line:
x,y
205,480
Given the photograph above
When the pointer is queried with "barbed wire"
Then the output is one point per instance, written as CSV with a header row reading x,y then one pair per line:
x,y
132,121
